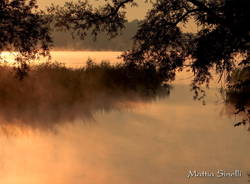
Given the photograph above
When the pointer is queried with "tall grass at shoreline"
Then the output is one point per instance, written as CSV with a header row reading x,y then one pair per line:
x,y
52,93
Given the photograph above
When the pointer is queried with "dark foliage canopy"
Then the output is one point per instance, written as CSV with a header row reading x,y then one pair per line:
x,y
23,29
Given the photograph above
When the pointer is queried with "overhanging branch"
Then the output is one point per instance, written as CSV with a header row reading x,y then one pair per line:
x,y
206,9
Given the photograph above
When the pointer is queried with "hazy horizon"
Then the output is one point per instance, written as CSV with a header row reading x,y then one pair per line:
x,y
122,42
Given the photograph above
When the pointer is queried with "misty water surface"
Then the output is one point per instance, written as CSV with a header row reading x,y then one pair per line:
x,y
153,141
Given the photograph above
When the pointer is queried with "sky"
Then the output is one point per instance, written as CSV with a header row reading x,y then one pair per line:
x,y
133,13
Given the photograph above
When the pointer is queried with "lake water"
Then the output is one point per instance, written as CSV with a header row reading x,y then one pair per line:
x,y
155,142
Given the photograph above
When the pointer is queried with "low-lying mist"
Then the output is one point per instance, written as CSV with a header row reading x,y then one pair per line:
x,y
52,94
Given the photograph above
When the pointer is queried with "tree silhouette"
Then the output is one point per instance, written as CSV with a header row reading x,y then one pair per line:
x,y
223,24
23,29
223,34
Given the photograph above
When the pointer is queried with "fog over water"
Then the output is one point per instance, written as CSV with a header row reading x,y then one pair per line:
x,y
153,140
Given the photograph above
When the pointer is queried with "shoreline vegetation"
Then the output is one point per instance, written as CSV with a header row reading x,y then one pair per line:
x,y
53,93
57,93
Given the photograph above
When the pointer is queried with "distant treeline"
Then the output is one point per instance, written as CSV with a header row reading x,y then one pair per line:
x,y
65,41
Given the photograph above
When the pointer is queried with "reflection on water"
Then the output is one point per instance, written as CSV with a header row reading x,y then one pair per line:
x,y
155,142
